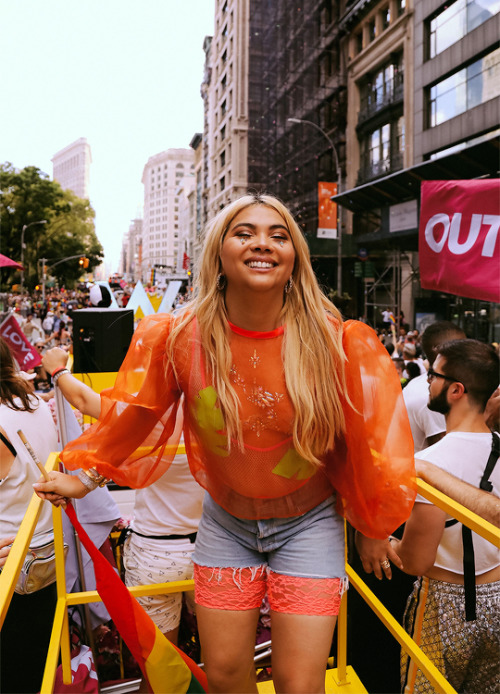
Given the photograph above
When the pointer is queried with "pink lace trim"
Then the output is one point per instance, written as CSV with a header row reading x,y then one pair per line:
x,y
229,588
305,596
244,589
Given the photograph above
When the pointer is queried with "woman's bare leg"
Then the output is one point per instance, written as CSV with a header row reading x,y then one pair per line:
x,y
301,646
227,640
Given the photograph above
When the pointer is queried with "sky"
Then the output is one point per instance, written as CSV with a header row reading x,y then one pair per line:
x,y
125,74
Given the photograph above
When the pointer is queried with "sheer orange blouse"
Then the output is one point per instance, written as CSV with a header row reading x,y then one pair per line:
x,y
371,469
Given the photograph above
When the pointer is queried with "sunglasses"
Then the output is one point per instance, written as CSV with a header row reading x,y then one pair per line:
x,y
431,375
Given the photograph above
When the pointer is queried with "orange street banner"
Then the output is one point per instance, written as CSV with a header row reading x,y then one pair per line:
x,y
327,211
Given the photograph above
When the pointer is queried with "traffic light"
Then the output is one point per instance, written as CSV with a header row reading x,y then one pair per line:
x,y
85,263
81,261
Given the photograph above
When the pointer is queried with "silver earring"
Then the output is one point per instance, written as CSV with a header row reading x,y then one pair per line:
x,y
221,281
289,285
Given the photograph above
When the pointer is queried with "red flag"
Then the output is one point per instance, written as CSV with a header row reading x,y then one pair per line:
x,y
24,353
185,262
165,667
458,238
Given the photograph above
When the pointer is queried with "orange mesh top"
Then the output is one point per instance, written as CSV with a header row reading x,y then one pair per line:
x,y
136,436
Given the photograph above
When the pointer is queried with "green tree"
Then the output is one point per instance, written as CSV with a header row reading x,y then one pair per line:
x,y
28,196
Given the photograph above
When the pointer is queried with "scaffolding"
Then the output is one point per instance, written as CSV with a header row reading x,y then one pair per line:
x,y
296,71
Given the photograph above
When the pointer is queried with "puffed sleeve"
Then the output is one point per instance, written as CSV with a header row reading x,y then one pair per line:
x,y
136,436
373,468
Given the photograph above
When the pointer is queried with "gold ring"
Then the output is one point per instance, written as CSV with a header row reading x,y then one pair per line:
x,y
385,564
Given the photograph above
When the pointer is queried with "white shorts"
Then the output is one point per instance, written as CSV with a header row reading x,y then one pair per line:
x,y
147,560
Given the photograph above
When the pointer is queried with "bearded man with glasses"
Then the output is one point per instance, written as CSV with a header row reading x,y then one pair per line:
x,y
454,611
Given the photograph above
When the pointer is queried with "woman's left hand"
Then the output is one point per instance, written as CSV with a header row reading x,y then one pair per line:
x,y
377,555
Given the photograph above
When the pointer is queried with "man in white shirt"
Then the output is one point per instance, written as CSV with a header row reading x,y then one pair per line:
x,y
454,611
427,427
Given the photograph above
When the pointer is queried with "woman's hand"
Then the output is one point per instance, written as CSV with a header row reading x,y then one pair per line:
x,y
54,358
60,488
376,556
5,545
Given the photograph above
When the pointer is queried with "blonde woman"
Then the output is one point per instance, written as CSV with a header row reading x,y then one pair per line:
x,y
290,419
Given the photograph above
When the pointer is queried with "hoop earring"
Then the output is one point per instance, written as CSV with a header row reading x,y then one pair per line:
x,y
220,282
289,285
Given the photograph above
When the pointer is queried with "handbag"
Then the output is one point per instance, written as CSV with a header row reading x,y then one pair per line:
x,y
39,568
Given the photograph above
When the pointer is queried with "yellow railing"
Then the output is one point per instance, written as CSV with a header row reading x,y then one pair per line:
x,y
343,676
435,677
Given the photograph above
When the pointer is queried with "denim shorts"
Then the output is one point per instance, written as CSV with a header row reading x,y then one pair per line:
x,y
308,546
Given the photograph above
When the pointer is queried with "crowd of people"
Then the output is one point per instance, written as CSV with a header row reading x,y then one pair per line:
x,y
285,411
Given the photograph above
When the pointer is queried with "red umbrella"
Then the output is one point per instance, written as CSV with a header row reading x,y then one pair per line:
x,y
8,262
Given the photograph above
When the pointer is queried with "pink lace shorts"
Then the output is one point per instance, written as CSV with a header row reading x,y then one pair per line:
x,y
298,561
244,589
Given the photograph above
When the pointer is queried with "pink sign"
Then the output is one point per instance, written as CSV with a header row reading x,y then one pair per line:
x,y
24,353
459,244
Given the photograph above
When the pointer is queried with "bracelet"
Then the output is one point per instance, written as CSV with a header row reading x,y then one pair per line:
x,y
57,370
92,479
58,375
87,481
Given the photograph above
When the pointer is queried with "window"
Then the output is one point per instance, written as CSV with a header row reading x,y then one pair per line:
x,y
386,18
401,5
457,20
371,31
222,183
223,108
222,159
466,89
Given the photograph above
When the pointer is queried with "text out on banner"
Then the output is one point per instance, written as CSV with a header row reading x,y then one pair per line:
x,y
459,244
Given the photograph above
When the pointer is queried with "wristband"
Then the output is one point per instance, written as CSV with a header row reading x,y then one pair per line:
x,y
58,375
57,370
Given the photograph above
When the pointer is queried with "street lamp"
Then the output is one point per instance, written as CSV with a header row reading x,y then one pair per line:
x,y
42,221
339,185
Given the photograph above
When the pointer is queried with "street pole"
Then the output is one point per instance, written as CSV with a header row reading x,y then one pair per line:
x,y
42,221
339,188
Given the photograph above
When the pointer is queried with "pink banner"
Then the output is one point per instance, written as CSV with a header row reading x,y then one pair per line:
x,y
459,243
24,353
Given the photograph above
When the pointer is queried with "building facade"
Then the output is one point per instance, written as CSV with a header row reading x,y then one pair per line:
x,y
161,178
71,167
130,259
424,103
225,93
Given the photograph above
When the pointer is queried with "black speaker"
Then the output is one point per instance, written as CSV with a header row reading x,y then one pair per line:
x,y
101,338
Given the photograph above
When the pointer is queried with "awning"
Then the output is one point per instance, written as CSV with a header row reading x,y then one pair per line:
x,y
475,161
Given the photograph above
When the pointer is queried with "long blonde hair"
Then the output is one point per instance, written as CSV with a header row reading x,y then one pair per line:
x,y
313,356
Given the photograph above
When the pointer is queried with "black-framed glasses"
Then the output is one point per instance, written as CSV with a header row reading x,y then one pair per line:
x,y
431,375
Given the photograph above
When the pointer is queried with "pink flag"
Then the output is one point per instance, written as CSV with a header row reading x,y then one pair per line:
x,y
24,353
458,238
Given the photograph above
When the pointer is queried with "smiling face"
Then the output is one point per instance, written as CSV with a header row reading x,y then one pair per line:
x,y
257,252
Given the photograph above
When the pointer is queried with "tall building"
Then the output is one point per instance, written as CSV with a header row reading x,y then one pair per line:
x,y
71,167
225,90
130,260
268,61
160,232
